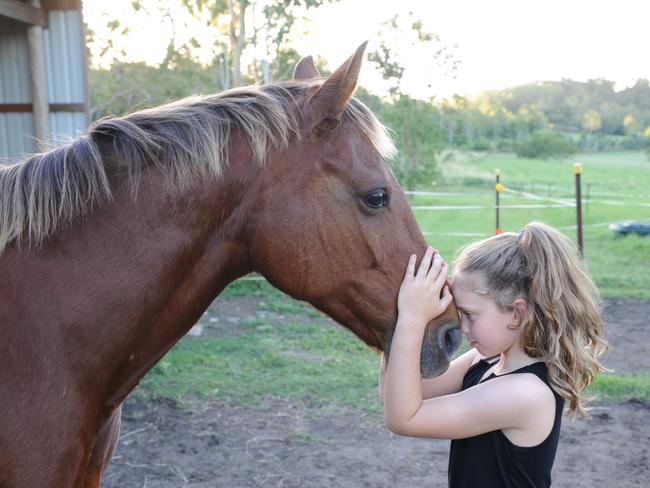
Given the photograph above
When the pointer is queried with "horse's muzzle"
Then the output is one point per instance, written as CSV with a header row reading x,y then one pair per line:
x,y
438,347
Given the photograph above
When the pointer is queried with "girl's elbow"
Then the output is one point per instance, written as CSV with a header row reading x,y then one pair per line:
x,y
396,426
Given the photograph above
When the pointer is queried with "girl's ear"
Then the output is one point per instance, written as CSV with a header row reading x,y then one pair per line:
x,y
520,307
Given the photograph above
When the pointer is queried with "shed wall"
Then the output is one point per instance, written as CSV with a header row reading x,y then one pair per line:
x,y
65,67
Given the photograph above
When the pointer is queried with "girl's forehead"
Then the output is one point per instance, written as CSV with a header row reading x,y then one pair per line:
x,y
469,290
469,282
465,298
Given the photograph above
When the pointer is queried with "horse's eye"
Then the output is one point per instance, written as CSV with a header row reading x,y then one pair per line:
x,y
376,198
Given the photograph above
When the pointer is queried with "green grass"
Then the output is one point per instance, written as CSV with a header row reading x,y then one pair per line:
x,y
614,261
625,172
310,364
611,388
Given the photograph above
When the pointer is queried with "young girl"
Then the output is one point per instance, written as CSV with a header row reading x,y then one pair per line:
x,y
531,315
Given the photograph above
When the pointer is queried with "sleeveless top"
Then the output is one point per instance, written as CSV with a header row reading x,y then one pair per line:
x,y
491,460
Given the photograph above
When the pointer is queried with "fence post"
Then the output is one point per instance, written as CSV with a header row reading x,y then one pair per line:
x,y
577,169
498,188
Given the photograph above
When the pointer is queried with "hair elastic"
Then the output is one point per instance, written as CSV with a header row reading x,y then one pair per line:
x,y
520,236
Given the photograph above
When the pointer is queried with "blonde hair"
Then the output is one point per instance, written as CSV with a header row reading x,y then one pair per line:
x,y
563,326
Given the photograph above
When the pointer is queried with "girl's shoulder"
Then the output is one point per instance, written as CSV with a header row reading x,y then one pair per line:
x,y
526,385
535,405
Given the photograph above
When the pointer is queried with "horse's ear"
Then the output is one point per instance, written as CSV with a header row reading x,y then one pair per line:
x,y
327,103
305,69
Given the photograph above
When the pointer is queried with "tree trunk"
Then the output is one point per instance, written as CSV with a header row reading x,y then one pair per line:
x,y
237,38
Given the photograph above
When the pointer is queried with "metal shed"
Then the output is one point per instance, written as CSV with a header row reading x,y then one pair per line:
x,y
43,75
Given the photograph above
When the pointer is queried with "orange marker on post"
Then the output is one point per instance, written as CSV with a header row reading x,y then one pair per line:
x,y
499,188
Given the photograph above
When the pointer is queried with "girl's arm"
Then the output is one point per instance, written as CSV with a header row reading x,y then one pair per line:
x,y
447,383
419,300
515,402
451,381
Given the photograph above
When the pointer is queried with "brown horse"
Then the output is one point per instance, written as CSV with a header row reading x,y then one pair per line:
x,y
113,246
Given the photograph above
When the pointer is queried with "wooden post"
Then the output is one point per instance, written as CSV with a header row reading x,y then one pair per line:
x,y
577,169
39,82
498,188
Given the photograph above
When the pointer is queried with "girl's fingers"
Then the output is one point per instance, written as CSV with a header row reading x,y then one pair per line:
x,y
440,279
410,267
446,298
435,268
425,264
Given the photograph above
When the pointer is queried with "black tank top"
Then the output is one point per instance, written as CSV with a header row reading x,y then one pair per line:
x,y
490,460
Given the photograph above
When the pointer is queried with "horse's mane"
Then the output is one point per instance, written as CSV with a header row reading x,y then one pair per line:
x,y
187,138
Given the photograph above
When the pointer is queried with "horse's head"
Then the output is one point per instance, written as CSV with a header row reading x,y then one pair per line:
x,y
332,225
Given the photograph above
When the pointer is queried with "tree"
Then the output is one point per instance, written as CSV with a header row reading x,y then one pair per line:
x,y
418,138
416,123
631,125
591,121
544,144
392,49
256,27
244,30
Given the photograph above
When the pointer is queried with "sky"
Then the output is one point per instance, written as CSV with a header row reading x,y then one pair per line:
x,y
499,43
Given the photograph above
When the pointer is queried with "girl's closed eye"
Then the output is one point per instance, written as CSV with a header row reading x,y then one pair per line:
x,y
467,315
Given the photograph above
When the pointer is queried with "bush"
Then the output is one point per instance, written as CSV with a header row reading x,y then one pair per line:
x,y
609,142
546,145
506,145
482,144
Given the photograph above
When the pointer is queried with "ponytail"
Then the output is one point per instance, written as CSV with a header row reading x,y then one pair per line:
x,y
563,326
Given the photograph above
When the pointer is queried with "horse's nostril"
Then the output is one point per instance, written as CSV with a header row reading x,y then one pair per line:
x,y
448,340
451,340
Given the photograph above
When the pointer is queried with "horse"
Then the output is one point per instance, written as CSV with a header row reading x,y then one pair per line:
x,y
113,246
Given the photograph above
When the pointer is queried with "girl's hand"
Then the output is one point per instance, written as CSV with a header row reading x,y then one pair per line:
x,y
423,294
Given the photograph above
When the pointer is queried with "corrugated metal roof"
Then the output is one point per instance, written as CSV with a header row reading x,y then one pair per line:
x,y
65,68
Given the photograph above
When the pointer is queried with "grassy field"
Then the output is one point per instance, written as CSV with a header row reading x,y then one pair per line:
x,y
288,350
615,262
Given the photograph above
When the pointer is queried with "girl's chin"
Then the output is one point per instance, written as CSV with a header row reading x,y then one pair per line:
x,y
482,351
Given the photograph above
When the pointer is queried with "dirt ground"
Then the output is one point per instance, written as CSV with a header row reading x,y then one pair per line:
x,y
277,446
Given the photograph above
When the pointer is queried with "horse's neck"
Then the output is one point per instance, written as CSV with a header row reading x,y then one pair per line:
x,y
189,260
125,283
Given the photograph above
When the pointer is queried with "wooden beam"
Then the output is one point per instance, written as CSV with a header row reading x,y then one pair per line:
x,y
61,4
22,12
29,108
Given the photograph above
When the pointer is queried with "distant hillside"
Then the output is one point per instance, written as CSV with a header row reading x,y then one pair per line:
x,y
591,115
576,106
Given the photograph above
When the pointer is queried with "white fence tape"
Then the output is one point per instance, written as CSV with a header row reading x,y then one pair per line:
x,y
532,196
558,203
478,207
437,193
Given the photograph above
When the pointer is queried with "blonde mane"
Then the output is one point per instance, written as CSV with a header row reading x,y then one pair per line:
x,y
188,138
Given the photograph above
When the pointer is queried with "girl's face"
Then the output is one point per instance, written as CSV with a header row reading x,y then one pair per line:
x,y
487,328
